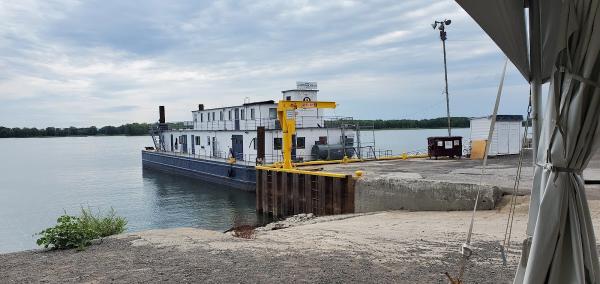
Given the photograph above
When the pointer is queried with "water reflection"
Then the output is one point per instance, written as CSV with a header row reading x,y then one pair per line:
x,y
181,201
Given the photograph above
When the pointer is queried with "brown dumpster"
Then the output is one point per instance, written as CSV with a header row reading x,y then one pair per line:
x,y
445,146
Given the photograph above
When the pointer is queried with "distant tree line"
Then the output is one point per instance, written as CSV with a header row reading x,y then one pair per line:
x,y
441,122
131,129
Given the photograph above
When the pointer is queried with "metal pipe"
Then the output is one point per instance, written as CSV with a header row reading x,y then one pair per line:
x,y
535,81
161,111
344,161
446,80
536,122
296,171
535,46
441,26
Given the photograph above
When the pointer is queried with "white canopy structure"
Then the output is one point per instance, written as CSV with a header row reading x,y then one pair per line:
x,y
564,40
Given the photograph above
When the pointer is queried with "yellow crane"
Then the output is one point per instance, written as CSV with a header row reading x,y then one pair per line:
x,y
286,112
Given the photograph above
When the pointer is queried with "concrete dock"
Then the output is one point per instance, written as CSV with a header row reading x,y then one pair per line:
x,y
417,184
437,185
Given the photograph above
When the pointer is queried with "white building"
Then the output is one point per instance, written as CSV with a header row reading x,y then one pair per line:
x,y
507,136
225,132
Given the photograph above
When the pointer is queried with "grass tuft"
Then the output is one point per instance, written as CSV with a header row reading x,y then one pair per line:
x,y
103,226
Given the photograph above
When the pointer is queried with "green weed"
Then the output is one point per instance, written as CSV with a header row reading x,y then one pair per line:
x,y
103,226
78,232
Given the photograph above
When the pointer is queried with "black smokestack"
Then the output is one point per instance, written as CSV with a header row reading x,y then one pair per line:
x,y
200,107
161,111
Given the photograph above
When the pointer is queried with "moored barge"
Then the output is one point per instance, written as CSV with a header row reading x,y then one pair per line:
x,y
224,144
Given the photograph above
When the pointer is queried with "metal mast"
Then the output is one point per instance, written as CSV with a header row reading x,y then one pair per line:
x,y
441,25
535,46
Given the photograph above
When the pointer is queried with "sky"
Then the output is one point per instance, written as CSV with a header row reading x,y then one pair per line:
x,y
108,62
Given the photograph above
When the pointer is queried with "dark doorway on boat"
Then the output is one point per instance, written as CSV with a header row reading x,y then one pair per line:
x,y
193,145
237,118
237,146
183,142
214,147
260,144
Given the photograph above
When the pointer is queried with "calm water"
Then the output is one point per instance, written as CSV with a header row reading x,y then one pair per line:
x,y
41,178
409,140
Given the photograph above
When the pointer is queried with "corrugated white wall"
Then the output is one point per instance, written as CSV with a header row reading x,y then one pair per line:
x,y
506,139
480,128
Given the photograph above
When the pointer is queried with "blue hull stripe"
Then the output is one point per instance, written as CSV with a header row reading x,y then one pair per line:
x,y
238,176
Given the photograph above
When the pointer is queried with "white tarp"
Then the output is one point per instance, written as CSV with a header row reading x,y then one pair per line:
x,y
549,30
563,248
504,22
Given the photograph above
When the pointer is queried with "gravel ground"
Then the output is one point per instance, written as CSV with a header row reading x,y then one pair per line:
x,y
117,261
386,247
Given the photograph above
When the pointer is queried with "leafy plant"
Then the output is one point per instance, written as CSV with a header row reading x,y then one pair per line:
x,y
78,232
68,233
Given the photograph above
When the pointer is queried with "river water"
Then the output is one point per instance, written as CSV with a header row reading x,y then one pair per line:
x,y
41,178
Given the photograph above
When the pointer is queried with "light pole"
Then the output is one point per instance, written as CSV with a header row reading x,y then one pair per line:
x,y
441,25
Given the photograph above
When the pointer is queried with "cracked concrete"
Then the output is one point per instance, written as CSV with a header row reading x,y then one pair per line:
x,y
426,184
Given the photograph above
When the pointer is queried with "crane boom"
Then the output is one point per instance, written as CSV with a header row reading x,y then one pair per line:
x,y
286,113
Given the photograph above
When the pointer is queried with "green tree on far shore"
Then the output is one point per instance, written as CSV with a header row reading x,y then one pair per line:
x,y
129,129
440,122
137,129
126,129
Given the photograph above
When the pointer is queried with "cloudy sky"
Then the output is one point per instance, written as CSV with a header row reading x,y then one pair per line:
x,y
98,62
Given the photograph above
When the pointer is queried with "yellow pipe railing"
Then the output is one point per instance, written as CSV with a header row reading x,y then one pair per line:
x,y
296,171
344,161
328,162
403,157
278,167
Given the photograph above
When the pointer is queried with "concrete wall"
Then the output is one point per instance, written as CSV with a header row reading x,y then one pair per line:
x,y
386,193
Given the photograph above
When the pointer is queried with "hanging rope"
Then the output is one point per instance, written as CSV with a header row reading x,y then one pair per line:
x,y
505,247
466,249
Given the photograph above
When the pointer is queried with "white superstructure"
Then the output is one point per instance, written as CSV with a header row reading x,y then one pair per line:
x,y
224,132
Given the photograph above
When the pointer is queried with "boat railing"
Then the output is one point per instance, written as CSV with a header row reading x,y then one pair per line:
x,y
224,156
366,153
216,156
273,123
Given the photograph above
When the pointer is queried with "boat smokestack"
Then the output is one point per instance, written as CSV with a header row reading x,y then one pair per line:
x,y
161,111
200,107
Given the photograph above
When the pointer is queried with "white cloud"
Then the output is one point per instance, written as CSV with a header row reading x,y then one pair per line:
x,y
110,62
390,37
